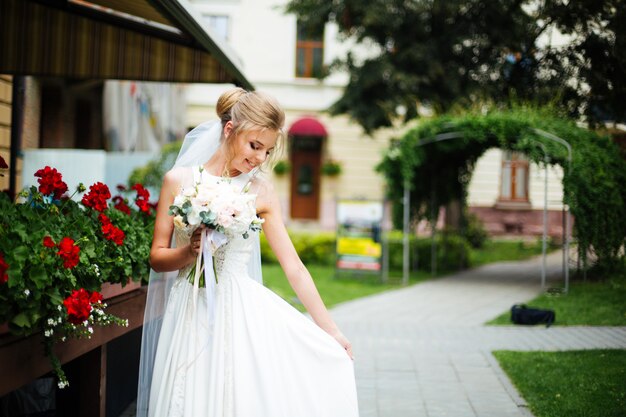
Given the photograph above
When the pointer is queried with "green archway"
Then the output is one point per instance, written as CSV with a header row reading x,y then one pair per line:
x,y
594,185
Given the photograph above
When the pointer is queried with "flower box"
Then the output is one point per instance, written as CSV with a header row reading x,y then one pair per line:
x,y
113,290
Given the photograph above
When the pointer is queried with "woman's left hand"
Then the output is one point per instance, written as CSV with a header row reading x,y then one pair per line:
x,y
344,342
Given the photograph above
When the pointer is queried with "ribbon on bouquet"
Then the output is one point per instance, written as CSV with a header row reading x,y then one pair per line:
x,y
210,241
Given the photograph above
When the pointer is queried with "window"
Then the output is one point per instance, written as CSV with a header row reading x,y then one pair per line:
x,y
514,177
218,24
309,50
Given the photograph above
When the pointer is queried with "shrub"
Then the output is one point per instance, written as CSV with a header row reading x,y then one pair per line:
x,y
319,248
151,174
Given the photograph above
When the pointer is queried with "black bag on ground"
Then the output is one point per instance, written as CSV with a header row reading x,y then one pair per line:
x,y
521,314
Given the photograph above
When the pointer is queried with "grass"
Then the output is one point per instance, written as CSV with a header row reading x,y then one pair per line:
x,y
333,291
569,384
587,303
495,250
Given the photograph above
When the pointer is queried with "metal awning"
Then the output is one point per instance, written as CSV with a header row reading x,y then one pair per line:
x,y
148,40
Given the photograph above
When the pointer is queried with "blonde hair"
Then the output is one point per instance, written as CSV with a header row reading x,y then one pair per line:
x,y
251,110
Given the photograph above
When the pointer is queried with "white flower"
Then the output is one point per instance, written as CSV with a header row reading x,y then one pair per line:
x,y
59,308
193,218
52,322
86,323
63,339
48,332
96,269
63,384
90,330
27,292
179,200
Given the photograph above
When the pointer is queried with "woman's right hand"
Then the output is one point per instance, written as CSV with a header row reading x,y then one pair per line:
x,y
194,242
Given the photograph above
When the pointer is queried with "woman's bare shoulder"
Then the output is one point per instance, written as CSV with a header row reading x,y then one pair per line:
x,y
177,176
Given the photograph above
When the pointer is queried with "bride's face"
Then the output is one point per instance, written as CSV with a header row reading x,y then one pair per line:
x,y
251,148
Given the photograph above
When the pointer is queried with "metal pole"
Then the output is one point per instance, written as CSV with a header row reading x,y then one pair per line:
x,y
433,235
545,223
385,241
565,207
405,235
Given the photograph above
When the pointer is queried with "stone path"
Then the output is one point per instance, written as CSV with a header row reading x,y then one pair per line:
x,y
424,351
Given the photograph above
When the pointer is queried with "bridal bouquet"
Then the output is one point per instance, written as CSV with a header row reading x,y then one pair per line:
x,y
223,208
218,205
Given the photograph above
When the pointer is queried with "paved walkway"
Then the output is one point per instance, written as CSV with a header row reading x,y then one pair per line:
x,y
424,351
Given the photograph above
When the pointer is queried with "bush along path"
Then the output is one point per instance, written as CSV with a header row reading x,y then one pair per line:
x,y
425,351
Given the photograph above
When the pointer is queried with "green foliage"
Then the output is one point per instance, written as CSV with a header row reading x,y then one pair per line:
x,y
596,41
331,168
38,282
282,167
151,175
439,172
446,54
313,248
452,252
474,231
39,279
569,384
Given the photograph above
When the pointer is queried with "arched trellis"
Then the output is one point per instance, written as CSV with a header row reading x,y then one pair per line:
x,y
593,169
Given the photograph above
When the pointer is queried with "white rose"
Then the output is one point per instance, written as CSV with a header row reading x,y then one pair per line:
x,y
193,217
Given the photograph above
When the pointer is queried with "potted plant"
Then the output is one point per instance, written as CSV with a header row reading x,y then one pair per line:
x,y
56,254
331,168
282,167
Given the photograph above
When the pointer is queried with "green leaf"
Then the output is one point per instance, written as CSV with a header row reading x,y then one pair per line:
x,y
21,253
38,275
22,320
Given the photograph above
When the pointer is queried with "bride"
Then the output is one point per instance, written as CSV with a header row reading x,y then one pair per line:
x,y
237,349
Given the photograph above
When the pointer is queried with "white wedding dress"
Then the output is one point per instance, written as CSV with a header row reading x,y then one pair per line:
x,y
264,359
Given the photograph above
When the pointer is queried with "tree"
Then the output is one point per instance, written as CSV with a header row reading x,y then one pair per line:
x,y
443,54
597,52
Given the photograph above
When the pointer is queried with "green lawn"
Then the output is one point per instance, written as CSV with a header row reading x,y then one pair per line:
x,y
569,384
587,303
333,291
495,250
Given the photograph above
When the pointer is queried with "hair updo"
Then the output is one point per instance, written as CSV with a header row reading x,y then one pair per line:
x,y
250,110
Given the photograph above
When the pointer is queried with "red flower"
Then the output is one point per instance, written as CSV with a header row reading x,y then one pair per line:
x,y
95,298
4,267
69,252
97,196
78,306
143,196
143,205
48,242
104,219
121,205
50,182
113,233
141,192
